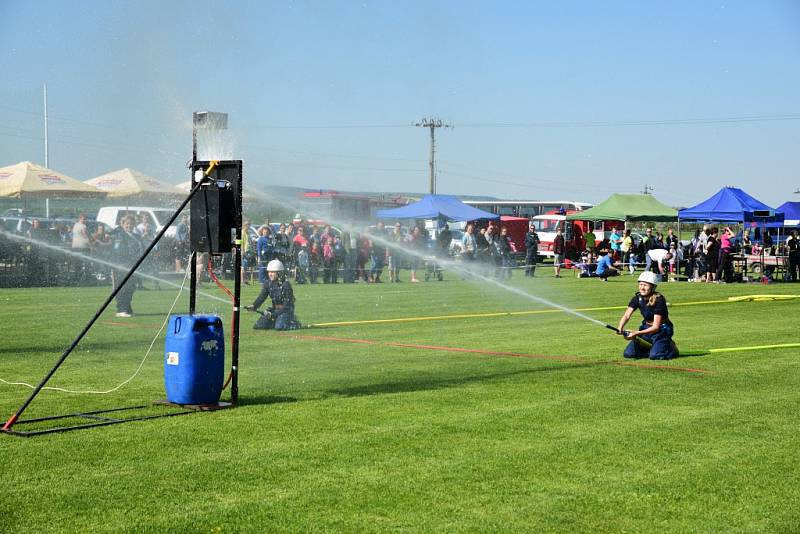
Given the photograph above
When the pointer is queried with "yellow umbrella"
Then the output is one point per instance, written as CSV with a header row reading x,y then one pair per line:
x,y
27,179
131,183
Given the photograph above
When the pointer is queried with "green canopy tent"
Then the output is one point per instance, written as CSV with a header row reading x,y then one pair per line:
x,y
627,207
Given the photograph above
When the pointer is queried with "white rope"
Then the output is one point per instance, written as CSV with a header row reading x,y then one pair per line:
x,y
158,334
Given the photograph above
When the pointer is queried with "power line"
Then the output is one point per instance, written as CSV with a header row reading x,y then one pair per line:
x,y
350,155
658,122
529,124
339,167
567,184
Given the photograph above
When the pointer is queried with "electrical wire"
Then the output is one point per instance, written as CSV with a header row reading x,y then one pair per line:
x,y
656,122
141,364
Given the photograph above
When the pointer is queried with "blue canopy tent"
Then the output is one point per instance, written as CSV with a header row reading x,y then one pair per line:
x,y
437,207
791,213
730,204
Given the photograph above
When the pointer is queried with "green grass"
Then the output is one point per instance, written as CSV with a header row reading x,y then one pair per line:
x,y
341,436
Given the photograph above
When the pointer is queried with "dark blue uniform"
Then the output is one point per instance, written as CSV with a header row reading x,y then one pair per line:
x,y
280,315
663,348
127,249
793,244
531,251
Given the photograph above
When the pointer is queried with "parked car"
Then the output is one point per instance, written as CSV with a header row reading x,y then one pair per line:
x,y
14,224
113,215
16,212
766,264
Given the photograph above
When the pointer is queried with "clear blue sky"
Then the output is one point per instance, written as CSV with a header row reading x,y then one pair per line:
x,y
325,94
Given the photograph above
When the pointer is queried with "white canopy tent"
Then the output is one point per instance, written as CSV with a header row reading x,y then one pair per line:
x,y
132,183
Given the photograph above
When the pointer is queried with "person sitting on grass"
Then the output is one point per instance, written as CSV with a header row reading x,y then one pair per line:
x,y
653,339
605,266
584,264
280,316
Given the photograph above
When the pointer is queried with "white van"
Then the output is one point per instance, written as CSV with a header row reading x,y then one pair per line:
x,y
112,215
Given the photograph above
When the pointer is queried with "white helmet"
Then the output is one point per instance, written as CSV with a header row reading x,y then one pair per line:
x,y
650,277
275,266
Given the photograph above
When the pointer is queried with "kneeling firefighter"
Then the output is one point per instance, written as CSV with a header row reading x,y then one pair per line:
x,y
654,338
280,316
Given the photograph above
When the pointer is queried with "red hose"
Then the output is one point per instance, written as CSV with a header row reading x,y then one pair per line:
x,y
216,280
226,290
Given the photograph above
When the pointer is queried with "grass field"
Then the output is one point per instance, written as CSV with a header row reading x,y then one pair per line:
x,y
538,425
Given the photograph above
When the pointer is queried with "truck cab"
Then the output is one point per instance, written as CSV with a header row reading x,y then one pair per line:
x,y
547,226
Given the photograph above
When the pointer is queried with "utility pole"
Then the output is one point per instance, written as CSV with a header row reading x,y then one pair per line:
x,y
46,151
648,189
433,124
46,154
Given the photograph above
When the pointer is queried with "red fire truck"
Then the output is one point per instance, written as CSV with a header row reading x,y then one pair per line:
x,y
548,224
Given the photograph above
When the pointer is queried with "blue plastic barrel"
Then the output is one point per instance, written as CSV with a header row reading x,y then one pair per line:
x,y
194,359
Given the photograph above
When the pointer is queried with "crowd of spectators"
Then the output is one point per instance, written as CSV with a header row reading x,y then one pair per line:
x,y
83,251
322,254
708,257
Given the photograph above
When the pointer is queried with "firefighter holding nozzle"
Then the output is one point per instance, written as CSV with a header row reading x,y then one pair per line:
x,y
654,338
279,316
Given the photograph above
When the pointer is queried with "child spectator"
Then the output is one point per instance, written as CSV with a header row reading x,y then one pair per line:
x,y
327,260
314,262
301,270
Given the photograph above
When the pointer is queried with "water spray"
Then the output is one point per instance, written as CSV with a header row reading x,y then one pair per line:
x,y
454,265
99,261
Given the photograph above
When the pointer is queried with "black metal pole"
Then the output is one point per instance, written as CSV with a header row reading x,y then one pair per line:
x,y
192,282
100,311
237,288
193,255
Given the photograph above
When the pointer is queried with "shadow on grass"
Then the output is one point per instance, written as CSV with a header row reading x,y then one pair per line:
x,y
265,399
434,383
59,348
693,353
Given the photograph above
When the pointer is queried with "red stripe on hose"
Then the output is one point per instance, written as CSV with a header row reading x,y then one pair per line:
x,y
570,359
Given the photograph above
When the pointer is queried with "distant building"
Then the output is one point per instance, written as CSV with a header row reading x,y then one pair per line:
x,y
351,208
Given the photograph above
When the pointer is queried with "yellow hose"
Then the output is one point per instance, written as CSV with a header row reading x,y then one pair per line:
x,y
759,298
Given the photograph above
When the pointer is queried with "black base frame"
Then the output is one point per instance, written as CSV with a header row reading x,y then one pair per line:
x,y
97,416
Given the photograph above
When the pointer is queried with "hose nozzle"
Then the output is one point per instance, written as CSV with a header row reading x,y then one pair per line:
x,y
213,164
638,340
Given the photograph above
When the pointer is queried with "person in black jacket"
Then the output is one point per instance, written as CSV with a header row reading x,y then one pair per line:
x,y
559,251
443,240
793,246
531,249
279,316
127,249
505,250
